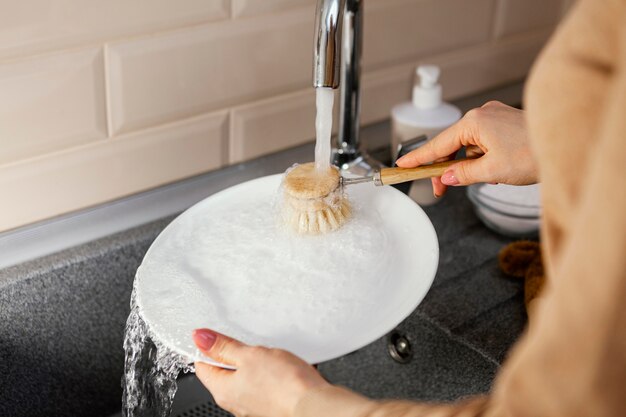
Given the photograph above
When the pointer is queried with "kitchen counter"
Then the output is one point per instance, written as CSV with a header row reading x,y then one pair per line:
x,y
62,316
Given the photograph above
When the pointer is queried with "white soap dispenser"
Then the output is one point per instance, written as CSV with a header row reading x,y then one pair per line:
x,y
427,114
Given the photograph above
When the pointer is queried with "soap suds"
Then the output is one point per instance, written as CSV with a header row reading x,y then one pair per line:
x,y
241,264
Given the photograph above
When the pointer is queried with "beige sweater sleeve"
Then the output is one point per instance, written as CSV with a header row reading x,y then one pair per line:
x,y
572,360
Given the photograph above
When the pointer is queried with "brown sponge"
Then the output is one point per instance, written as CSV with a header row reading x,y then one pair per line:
x,y
523,260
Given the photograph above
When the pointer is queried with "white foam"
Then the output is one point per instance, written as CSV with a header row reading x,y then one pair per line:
x,y
226,264
274,271
245,266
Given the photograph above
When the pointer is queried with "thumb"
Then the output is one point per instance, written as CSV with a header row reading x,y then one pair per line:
x,y
467,172
216,346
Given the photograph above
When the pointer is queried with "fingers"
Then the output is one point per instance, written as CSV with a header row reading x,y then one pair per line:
x,y
440,146
223,349
468,172
216,346
444,144
473,151
214,378
439,188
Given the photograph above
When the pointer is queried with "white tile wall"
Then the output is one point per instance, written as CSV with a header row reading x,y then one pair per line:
x,y
102,99
285,121
81,177
32,26
272,125
383,89
254,7
164,78
275,124
517,16
488,66
50,103
462,73
399,30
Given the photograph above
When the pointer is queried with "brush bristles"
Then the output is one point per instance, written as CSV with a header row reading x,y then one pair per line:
x,y
313,203
318,221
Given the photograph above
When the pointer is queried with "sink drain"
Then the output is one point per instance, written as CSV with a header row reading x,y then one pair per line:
x,y
399,347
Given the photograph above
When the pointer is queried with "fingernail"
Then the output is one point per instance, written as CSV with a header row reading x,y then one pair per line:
x,y
204,338
436,195
402,158
448,178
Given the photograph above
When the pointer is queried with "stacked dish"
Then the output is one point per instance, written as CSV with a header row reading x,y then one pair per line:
x,y
507,209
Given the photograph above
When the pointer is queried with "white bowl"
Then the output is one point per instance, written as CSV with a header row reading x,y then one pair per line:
x,y
512,211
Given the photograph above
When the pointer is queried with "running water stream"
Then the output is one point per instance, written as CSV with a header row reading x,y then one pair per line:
x,y
150,368
323,127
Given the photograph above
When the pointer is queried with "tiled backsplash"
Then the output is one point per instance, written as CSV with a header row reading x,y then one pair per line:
x,y
99,100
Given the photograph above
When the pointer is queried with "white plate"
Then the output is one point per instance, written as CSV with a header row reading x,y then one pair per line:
x,y
225,264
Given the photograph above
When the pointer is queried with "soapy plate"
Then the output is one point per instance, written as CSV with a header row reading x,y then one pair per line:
x,y
228,265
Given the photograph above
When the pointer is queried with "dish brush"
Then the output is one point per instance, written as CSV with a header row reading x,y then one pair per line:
x,y
315,202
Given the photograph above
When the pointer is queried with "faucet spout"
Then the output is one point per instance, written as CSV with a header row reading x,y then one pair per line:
x,y
337,62
327,47
348,143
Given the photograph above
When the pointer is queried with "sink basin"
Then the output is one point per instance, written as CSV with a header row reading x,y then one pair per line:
x,y
62,320
192,399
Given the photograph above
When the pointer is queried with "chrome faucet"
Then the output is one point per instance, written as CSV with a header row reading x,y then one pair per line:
x,y
337,63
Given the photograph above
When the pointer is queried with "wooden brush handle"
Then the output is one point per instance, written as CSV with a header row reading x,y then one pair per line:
x,y
389,176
